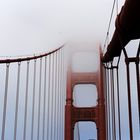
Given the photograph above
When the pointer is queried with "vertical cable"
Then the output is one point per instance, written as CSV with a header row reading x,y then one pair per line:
x,y
138,80
60,95
109,110
5,102
65,73
113,101
39,99
26,101
57,133
138,52
48,104
108,133
118,99
106,107
111,105
59,137
129,100
52,99
61,127
63,91
55,97
62,83
128,88
138,86
44,102
33,103
54,94
17,101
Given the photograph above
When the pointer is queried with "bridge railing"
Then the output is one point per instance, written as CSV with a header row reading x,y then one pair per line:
x,y
122,95
32,97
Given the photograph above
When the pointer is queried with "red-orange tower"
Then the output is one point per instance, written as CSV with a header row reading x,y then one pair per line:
x,y
74,114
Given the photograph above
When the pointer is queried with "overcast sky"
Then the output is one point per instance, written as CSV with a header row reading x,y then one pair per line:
x,y
28,26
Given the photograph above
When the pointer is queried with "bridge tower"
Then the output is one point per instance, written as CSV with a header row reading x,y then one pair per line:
x,y
75,114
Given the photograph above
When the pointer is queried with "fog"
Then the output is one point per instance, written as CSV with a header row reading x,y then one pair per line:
x,y
28,26
32,27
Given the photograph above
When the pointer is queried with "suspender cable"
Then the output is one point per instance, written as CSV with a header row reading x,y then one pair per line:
x,y
64,100
138,79
59,109
138,52
59,99
109,106
113,101
52,99
55,97
5,101
57,79
63,92
129,100
44,101
39,99
106,105
61,95
39,104
58,93
118,99
62,72
128,88
48,104
62,84
33,102
108,130
65,79
107,96
26,101
17,101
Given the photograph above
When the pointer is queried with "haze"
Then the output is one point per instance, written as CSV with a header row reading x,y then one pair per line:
x,y
28,26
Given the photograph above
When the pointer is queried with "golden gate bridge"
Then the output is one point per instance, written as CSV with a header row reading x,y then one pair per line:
x,y
47,82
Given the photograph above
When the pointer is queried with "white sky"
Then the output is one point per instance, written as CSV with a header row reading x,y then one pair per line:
x,y
29,26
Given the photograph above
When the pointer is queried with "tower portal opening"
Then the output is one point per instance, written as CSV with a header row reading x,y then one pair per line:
x,y
85,131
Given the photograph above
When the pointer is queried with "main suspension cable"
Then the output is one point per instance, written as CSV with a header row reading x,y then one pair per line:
x,y
110,20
